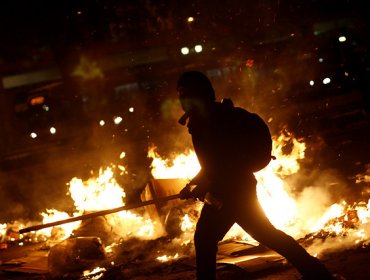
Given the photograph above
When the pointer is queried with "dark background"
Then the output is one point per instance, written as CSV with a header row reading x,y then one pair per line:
x,y
94,60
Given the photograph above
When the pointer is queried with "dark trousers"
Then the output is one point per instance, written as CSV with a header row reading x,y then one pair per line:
x,y
214,223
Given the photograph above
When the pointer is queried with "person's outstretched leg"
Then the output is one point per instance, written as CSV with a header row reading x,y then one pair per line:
x,y
259,227
212,225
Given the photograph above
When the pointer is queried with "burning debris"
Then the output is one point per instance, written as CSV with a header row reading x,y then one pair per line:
x,y
75,254
161,231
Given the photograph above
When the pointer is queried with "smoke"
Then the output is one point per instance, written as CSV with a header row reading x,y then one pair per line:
x,y
314,191
328,193
27,191
364,177
312,202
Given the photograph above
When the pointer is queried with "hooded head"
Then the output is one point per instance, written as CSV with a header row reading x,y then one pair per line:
x,y
195,91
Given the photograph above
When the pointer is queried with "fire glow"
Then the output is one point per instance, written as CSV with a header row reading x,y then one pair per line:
x,y
282,206
183,166
100,193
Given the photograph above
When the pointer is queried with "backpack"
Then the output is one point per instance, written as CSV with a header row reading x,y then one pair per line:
x,y
251,137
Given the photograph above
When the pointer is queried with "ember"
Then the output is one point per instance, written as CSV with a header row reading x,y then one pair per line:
x,y
96,273
166,258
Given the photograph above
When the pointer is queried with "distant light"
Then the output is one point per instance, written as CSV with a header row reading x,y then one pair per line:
x,y
198,48
312,83
117,120
122,155
185,50
326,81
53,130
102,123
37,100
33,135
46,107
131,109
249,62
342,39
190,19
321,59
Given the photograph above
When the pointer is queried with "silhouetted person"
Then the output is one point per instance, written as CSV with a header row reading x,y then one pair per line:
x,y
226,182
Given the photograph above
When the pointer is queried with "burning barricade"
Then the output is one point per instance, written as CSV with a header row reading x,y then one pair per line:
x,y
104,234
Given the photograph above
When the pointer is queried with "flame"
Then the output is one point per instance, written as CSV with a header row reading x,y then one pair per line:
x,y
186,223
279,206
351,223
184,166
53,215
276,195
166,258
100,193
272,190
2,230
95,274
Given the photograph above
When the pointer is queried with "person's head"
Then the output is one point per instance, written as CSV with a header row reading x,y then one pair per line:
x,y
195,91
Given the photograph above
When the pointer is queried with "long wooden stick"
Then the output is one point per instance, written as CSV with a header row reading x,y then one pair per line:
x,y
100,213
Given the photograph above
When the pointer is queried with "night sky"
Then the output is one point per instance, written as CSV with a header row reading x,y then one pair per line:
x,y
55,22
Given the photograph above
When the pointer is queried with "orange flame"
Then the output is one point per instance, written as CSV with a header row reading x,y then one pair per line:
x,y
284,209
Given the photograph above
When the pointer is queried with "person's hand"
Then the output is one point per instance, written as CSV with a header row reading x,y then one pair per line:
x,y
191,191
186,193
198,193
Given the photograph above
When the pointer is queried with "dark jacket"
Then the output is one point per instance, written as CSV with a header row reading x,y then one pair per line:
x,y
220,149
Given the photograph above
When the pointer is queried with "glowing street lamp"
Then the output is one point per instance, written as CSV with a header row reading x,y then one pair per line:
x,y
326,81
185,50
198,48
342,39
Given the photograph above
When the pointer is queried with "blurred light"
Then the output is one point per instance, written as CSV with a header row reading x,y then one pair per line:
x,y
38,100
102,123
249,62
342,39
122,155
190,19
312,83
122,168
117,120
53,130
326,81
185,50
33,135
131,109
46,107
321,59
346,74
198,48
